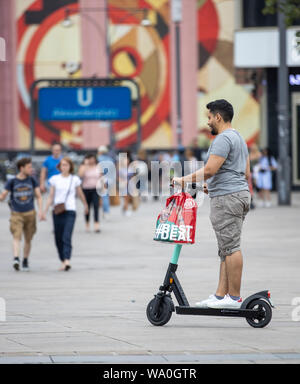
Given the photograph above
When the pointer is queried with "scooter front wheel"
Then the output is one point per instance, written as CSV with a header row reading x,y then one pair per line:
x,y
162,314
265,315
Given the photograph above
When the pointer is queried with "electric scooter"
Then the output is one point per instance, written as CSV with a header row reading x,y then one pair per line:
x,y
257,308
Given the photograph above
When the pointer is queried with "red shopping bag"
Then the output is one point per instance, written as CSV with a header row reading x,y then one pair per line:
x,y
177,221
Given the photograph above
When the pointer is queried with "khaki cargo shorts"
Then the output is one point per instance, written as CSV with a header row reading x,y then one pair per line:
x,y
23,222
227,213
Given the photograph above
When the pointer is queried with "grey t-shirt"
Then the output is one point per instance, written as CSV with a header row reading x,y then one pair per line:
x,y
230,177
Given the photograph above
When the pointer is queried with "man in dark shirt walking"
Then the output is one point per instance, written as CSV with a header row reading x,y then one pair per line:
x,y
23,188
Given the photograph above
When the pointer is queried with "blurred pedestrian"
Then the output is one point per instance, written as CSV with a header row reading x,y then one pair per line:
x,y
141,165
196,149
49,167
90,173
130,196
63,189
109,176
23,189
254,156
265,166
191,163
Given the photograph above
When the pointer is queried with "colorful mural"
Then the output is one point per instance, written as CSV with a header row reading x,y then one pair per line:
x,y
216,75
143,53
45,49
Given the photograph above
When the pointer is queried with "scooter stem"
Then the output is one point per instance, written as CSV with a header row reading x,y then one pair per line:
x,y
176,253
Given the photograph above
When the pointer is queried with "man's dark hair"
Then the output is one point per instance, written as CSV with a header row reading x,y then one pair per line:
x,y
56,143
222,107
22,162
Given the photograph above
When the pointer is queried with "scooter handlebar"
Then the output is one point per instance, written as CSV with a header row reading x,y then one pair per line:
x,y
189,186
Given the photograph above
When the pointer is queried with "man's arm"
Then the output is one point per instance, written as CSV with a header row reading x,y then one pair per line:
x,y
3,195
247,172
39,199
214,163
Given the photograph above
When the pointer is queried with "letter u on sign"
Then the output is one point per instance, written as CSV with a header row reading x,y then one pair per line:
x,y
85,96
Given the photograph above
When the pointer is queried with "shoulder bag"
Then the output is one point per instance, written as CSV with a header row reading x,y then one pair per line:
x,y
61,208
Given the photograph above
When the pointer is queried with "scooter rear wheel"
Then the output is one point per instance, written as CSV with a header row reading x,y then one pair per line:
x,y
163,314
266,313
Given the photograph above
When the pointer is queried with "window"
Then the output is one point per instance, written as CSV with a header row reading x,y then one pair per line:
x,y
253,16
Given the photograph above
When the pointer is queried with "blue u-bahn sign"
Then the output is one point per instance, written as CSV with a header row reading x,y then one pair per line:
x,y
84,103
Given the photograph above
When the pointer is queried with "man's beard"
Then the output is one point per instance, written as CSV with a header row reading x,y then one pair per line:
x,y
213,131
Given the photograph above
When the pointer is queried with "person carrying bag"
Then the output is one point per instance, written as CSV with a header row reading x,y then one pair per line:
x,y
61,207
63,187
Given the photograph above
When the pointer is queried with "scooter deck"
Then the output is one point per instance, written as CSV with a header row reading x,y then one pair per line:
x,y
229,312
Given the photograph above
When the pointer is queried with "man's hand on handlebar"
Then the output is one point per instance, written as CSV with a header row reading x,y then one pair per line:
x,y
179,181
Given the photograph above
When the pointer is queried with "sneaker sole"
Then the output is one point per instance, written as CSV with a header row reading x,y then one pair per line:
x,y
17,266
204,305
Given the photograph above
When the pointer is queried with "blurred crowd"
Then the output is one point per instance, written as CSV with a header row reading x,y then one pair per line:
x,y
101,179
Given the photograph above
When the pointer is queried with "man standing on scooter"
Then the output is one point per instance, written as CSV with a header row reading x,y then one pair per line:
x,y
226,170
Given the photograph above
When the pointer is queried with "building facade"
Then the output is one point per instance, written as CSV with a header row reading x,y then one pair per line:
x,y
105,38
257,54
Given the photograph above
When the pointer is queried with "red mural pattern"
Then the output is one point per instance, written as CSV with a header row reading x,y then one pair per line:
x,y
51,131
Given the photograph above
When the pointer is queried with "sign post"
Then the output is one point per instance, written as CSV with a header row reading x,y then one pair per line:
x,y
284,161
84,103
176,13
84,100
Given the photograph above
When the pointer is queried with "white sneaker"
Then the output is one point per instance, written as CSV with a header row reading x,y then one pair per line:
x,y
203,303
226,302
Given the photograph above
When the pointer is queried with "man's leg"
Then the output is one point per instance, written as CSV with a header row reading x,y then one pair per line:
x,y
222,289
16,247
27,247
16,229
234,268
16,251
29,230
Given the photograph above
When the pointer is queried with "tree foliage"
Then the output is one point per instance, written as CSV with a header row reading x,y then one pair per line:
x,y
290,8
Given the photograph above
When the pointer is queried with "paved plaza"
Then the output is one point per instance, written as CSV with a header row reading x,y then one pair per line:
x,y
95,313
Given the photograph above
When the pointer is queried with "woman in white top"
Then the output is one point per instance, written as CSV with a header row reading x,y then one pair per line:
x,y
63,189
